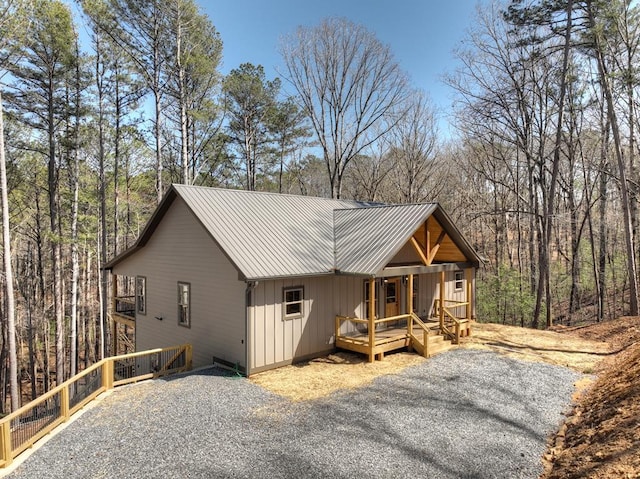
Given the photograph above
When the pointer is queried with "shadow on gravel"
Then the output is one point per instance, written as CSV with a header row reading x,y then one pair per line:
x,y
462,414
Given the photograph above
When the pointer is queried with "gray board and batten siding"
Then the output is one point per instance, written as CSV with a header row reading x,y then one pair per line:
x,y
180,250
240,250
275,341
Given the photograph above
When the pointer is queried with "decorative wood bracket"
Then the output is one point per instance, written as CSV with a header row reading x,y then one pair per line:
x,y
436,247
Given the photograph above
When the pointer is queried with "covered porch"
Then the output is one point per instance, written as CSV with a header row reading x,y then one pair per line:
x,y
396,326
127,294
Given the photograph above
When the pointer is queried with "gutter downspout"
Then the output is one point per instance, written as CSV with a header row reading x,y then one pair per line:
x,y
251,285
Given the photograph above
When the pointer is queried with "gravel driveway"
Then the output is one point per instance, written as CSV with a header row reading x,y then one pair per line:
x,y
462,414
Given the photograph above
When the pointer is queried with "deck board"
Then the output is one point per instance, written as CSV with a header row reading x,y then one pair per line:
x,y
389,339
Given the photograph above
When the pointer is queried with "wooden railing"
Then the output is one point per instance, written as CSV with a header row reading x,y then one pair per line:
x,y
372,343
422,346
125,306
376,322
23,427
459,324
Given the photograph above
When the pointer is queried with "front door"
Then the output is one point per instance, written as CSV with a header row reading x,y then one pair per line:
x,y
392,297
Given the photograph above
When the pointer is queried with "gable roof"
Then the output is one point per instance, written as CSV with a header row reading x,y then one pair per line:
x,y
367,238
271,235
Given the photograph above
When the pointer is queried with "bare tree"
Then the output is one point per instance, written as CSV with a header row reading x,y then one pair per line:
x,y
140,28
593,11
11,22
348,82
8,274
413,152
193,81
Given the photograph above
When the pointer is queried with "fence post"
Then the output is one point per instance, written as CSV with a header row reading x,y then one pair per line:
x,y
189,353
107,373
5,435
64,402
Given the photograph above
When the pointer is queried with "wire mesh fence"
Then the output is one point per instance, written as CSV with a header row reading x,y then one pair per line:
x,y
22,428
27,424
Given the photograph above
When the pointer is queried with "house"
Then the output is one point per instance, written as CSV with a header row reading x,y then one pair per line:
x,y
259,280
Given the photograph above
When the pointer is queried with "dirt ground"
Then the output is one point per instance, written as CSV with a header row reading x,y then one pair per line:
x,y
323,376
601,436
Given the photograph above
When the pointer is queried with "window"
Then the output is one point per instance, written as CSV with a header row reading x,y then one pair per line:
x,y
391,287
366,299
293,298
184,304
141,295
459,280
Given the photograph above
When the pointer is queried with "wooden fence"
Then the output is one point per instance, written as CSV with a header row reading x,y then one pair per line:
x,y
22,428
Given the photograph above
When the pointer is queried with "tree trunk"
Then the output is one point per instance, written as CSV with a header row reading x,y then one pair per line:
x,y
56,249
184,137
617,142
157,133
75,262
8,274
556,159
116,160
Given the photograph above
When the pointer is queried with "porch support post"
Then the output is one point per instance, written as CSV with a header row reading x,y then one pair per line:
x,y
114,309
441,300
372,314
114,338
409,303
469,278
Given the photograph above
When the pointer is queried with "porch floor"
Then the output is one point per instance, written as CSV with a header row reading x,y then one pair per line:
x,y
390,339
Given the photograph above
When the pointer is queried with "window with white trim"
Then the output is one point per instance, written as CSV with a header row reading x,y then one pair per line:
x,y
184,304
293,302
459,280
141,295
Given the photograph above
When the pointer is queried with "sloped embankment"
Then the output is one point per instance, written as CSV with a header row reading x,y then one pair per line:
x,y
601,438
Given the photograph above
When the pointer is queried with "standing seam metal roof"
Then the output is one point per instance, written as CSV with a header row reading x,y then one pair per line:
x,y
268,234
367,238
271,235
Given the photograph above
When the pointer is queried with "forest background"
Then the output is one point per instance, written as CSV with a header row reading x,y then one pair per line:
x,y
541,175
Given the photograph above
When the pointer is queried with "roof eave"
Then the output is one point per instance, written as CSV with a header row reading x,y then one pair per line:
x,y
148,230
291,276
456,236
384,261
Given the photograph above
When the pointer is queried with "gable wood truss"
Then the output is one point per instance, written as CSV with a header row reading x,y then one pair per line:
x,y
427,249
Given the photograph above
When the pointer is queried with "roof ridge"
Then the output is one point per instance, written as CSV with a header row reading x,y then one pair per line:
x,y
265,193
386,205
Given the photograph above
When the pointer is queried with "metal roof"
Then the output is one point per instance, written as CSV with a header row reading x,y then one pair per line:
x,y
367,238
270,235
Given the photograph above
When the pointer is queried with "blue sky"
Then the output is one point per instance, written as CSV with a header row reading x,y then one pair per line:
x,y
421,33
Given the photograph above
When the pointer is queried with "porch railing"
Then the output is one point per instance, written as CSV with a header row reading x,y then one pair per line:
x,y
449,320
422,346
376,341
22,428
342,319
125,306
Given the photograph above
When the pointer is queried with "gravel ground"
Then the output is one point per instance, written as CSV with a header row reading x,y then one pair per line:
x,y
462,414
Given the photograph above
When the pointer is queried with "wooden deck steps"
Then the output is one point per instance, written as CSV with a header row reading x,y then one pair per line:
x,y
438,344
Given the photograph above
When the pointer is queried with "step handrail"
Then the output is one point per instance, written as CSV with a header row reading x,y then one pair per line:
x,y
453,335
414,318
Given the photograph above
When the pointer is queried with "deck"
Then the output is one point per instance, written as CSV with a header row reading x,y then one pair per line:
x,y
397,332
123,324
